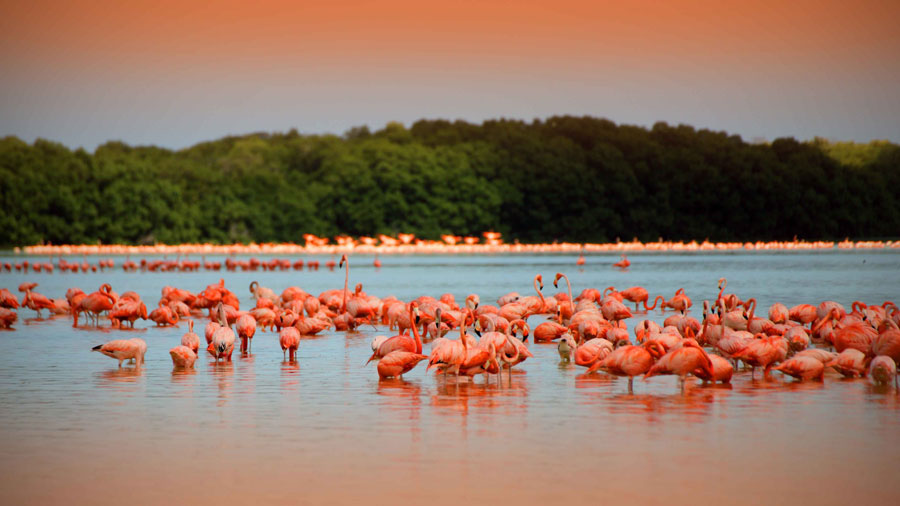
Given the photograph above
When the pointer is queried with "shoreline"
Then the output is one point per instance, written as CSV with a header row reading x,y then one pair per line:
x,y
442,248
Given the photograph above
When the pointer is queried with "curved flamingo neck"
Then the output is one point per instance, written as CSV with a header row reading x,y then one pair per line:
x,y
752,303
462,332
655,302
569,287
415,328
541,295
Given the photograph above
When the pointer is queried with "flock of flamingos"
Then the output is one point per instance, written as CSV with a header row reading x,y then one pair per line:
x,y
590,329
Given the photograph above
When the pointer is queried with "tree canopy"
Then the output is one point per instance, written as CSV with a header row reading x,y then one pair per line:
x,y
577,179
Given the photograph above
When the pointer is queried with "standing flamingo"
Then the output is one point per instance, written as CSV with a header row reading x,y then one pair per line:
x,y
221,344
33,300
124,349
290,341
802,368
626,361
190,339
567,308
397,363
682,361
94,304
623,263
401,342
246,328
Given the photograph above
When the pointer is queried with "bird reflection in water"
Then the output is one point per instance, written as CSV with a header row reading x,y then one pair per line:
x,y
123,379
404,397
458,393
184,378
290,374
223,373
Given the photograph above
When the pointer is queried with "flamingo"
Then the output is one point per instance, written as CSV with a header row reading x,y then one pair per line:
x,y
95,303
680,302
613,310
129,310
183,356
682,361
779,313
7,317
850,363
763,351
221,344
33,300
8,300
567,308
626,361
401,342
124,349
550,330
190,339
566,347
290,341
535,304
448,355
397,363
163,315
883,369
722,370
637,294
592,352
730,301
246,328
623,263
802,368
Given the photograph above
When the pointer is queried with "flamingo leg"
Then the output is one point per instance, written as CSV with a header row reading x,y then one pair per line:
x,y
631,385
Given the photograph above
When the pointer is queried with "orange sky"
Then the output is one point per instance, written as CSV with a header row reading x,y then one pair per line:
x,y
82,72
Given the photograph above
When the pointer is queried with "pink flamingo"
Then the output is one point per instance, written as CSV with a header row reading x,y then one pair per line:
x,y
682,361
183,356
626,361
124,349
190,339
222,343
624,263
290,341
246,328
401,342
802,368
567,308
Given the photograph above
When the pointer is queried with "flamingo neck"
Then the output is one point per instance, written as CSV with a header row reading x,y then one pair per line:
x,y
415,329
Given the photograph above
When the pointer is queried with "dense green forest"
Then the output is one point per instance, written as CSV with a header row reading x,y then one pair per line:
x,y
578,179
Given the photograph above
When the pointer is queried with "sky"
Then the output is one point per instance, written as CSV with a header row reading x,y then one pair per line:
x,y
174,73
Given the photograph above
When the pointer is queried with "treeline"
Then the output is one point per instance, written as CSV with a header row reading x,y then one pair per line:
x,y
577,179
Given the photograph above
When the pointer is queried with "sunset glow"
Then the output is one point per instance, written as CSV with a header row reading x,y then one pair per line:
x,y
174,73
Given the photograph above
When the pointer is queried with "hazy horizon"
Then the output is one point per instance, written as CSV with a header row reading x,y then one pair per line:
x,y
173,74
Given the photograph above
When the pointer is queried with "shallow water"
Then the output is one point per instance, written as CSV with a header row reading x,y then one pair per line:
x,y
75,428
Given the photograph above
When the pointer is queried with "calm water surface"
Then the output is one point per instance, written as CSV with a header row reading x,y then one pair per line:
x,y
76,429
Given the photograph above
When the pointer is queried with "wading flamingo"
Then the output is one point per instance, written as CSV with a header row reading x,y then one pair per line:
x,y
124,349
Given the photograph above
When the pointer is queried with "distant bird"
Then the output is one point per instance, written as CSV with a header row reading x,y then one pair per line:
x,y
623,263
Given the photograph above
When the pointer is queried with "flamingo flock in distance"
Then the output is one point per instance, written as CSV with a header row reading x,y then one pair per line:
x,y
590,330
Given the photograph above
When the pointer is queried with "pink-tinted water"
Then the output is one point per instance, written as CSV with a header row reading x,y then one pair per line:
x,y
75,429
